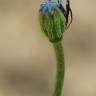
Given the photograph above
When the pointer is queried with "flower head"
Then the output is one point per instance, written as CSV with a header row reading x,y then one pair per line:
x,y
54,19
49,6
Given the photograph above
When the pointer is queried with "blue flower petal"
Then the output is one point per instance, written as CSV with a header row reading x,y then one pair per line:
x,y
44,10
41,7
50,6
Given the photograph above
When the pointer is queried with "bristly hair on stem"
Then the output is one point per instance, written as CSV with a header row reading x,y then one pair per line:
x,y
58,48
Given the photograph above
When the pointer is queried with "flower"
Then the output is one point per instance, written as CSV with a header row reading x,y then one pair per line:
x,y
54,19
49,6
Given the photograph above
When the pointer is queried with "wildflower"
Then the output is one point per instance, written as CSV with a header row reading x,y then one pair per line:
x,y
52,20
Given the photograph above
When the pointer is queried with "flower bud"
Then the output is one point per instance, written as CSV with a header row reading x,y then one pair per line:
x,y
53,25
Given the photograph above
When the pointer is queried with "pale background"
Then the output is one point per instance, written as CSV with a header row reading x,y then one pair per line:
x,y
27,55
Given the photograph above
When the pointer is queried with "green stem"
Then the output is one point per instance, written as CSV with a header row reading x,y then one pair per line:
x,y
60,68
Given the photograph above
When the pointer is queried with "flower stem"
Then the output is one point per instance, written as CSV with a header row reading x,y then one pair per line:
x,y
60,68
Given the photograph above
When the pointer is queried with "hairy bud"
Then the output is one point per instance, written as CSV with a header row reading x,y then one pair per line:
x,y
53,25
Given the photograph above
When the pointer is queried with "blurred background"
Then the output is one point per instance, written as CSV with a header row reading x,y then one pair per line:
x,y
27,60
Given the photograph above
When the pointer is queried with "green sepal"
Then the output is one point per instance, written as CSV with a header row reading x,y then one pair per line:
x,y
53,25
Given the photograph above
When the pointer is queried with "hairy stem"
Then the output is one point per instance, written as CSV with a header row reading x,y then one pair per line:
x,y
60,68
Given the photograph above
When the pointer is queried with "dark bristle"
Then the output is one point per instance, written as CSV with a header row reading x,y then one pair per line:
x,y
67,12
